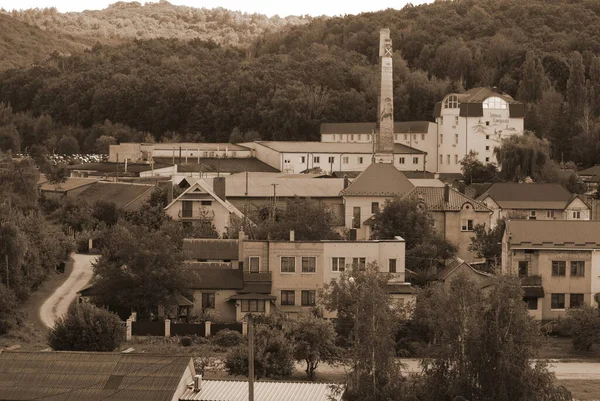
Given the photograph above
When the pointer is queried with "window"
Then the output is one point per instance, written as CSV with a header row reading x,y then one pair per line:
x,y
550,214
487,148
451,102
206,203
532,215
455,120
523,268
359,137
441,139
441,120
317,159
422,137
577,215
415,160
455,159
456,139
466,225
401,160
287,161
392,266
254,264
532,303
302,159
414,137
487,137
487,123
345,159
288,297
288,264
577,268
338,264
308,297
359,263
406,137
360,160
575,300
186,208
495,103
253,305
331,159
557,301
356,217
447,159
351,137
559,268
395,137
441,159
309,264
208,300
374,207
487,159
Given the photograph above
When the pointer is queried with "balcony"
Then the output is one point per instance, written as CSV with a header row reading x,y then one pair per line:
x,y
198,213
531,281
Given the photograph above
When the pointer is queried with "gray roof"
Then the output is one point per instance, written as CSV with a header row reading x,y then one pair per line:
x,y
89,376
534,234
333,147
211,249
379,179
510,195
197,145
433,198
454,264
224,165
591,174
418,127
200,278
471,103
230,390
127,196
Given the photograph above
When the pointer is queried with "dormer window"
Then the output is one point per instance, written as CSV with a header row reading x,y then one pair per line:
x,y
451,102
495,103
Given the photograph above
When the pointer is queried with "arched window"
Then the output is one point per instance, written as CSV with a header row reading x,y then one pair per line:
x,y
495,103
451,102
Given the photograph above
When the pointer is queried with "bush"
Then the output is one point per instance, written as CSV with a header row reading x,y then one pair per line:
x,y
228,338
185,341
584,327
86,328
10,316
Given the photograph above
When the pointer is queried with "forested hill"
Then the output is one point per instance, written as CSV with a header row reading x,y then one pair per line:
x,y
162,19
543,52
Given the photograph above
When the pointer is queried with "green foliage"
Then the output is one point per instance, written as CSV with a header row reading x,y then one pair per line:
x,y
313,339
273,355
583,324
488,344
86,328
228,338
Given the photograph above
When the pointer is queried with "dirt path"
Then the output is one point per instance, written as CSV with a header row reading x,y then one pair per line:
x,y
57,304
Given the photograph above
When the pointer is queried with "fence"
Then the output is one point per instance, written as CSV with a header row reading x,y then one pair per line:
x,y
169,328
184,329
215,328
148,328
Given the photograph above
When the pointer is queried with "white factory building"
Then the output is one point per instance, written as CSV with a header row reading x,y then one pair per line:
x,y
477,120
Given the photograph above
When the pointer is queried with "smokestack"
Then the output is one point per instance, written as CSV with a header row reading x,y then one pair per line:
x,y
446,193
197,383
346,182
384,136
292,235
462,186
219,187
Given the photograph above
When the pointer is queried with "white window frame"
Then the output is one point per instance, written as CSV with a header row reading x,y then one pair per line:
x,y
335,264
401,160
302,264
250,264
576,214
316,159
281,264
464,225
415,160
331,159
345,160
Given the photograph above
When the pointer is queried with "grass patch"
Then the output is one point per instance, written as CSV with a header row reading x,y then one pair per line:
x,y
562,348
587,390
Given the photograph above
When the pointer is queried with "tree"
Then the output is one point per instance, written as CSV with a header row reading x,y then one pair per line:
x,y
313,339
67,145
489,344
576,87
403,217
273,355
10,315
86,328
57,175
311,220
10,141
487,243
522,156
584,326
139,270
533,81
106,212
236,136
103,143
473,170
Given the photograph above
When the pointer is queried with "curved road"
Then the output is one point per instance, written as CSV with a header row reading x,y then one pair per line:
x,y
57,304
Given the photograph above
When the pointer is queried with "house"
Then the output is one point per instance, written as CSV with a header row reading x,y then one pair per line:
x,y
455,267
70,188
591,177
200,204
558,260
122,169
93,376
126,196
144,152
455,215
368,193
297,157
534,201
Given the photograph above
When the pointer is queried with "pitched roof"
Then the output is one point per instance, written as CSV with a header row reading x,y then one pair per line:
x,y
257,283
433,198
211,249
127,196
379,179
111,167
196,145
454,264
418,127
510,195
534,234
224,165
479,95
230,390
89,376
70,184
204,186
213,279
332,147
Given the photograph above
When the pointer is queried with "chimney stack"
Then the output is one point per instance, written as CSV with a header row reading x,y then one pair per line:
x,y
346,182
197,383
292,235
219,187
446,193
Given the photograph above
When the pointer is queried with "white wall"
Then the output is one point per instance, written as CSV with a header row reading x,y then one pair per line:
x,y
577,205
364,202
221,220
595,275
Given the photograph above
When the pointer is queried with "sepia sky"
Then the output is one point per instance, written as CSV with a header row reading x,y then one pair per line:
x,y
268,7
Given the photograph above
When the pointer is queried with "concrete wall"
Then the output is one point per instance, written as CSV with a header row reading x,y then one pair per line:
x,y
577,205
258,249
269,156
225,309
364,202
129,151
221,218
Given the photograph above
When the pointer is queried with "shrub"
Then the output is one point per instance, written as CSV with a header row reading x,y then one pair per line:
x,y
185,341
584,326
9,310
228,338
86,328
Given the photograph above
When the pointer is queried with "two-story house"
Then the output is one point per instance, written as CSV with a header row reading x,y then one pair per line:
x,y
558,261
534,201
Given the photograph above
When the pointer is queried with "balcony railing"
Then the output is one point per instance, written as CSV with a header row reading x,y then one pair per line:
x,y
531,281
197,214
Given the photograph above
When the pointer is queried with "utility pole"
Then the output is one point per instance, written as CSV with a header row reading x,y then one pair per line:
x,y
250,358
245,203
274,202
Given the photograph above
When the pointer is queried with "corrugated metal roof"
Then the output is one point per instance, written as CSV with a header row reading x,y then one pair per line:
x,y
379,179
418,127
426,182
223,390
122,194
511,195
84,376
533,234
68,185
332,147
433,198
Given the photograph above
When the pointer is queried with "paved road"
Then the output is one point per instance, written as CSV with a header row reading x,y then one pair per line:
x,y
57,304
